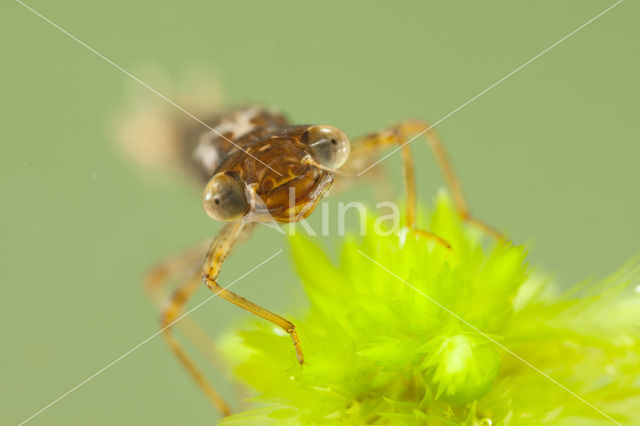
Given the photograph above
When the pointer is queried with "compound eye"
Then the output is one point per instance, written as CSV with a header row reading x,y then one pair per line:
x,y
329,145
224,198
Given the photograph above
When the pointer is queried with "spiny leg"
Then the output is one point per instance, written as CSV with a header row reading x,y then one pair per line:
x,y
157,279
219,250
364,149
365,146
186,265
223,244
240,301
422,128
169,270
170,313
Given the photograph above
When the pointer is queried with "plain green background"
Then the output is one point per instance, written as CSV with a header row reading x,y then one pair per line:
x,y
551,155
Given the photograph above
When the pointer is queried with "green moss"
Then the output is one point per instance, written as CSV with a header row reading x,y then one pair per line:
x,y
380,352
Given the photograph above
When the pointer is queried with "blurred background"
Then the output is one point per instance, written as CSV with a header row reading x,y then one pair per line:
x,y
550,156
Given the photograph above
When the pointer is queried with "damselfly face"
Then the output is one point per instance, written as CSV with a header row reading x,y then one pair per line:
x,y
272,171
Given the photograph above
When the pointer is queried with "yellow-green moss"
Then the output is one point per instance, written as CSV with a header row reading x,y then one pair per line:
x,y
379,352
